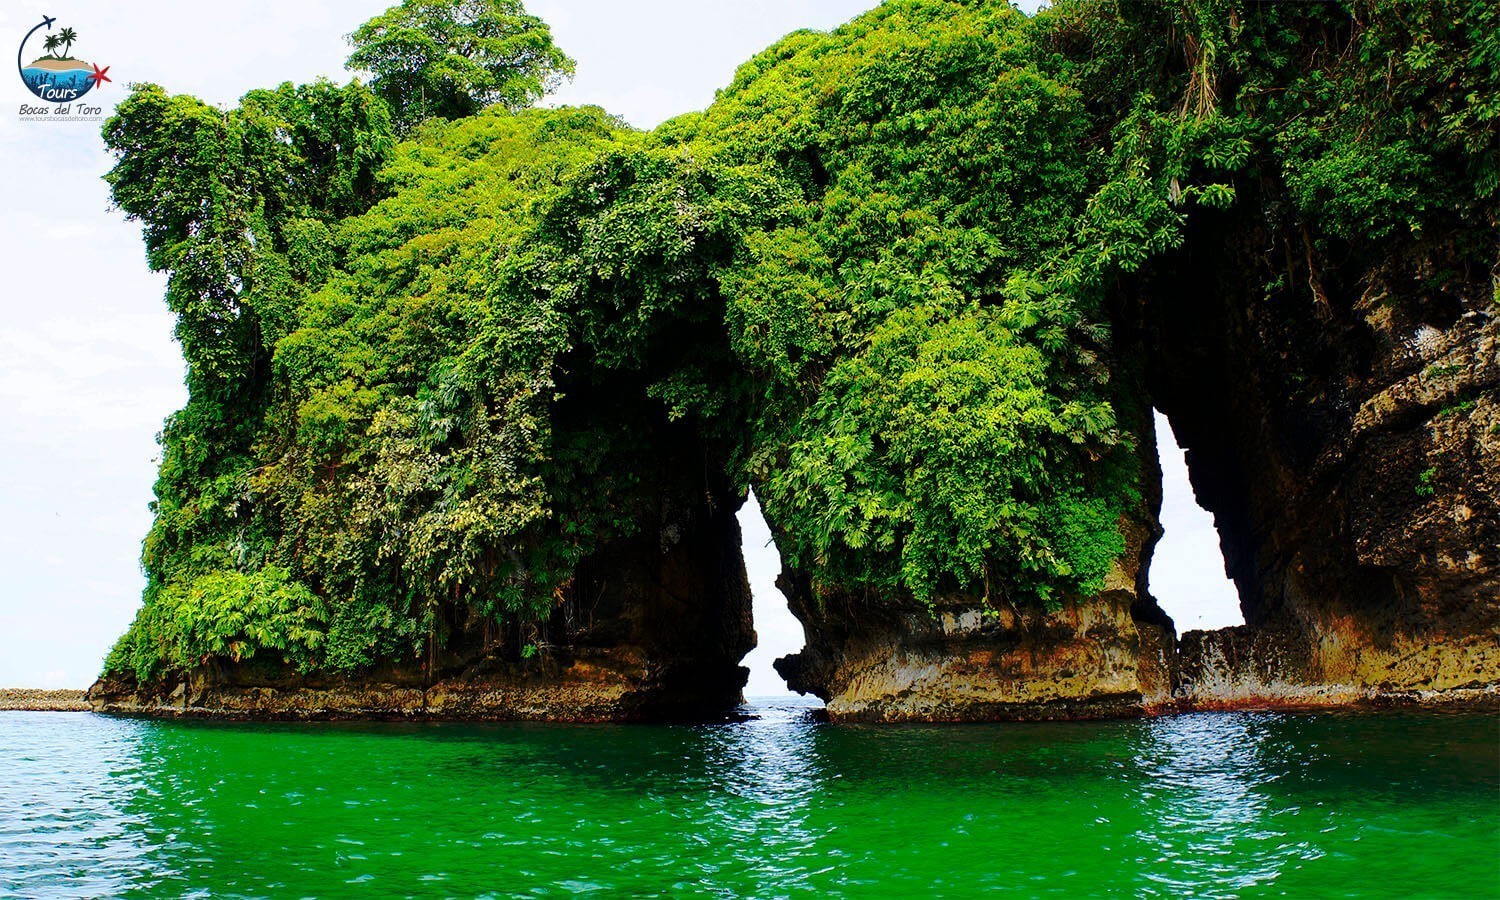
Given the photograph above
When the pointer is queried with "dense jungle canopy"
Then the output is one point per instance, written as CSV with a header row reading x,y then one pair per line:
x,y
424,319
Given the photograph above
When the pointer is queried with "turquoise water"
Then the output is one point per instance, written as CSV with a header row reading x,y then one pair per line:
x,y
1248,805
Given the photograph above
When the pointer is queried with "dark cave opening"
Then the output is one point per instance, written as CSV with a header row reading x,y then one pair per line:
x,y
1208,386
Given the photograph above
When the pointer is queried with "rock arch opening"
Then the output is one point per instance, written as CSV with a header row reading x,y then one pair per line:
x,y
778,632
1187,572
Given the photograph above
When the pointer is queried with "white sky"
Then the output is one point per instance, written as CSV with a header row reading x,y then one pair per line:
x,y
1187,572
88,368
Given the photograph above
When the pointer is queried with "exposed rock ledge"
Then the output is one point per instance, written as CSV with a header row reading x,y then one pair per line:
x,y
1096,661
617,685
974,664
966,660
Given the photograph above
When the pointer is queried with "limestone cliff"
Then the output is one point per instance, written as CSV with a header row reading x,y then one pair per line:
x,y
1347,438
468,418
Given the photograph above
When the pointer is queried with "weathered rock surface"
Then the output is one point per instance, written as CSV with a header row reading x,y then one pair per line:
x,y
595,687
1345,433
974,664
652,628
966,660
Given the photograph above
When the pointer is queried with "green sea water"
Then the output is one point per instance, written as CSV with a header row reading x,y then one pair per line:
x,y
1395,804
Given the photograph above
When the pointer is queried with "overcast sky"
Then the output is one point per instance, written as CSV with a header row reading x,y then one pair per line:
x,y
88,368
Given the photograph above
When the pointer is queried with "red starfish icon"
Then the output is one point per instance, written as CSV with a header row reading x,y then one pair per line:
x,y
99,77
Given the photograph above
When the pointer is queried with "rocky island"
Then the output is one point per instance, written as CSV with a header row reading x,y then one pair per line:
x,y
476,388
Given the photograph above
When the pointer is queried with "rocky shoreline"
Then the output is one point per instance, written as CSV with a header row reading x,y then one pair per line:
x,y
382,700
41,700
272,706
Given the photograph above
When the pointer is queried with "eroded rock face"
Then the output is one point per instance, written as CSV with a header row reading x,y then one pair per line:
x,y
966,660
652,628
1346,435
972,663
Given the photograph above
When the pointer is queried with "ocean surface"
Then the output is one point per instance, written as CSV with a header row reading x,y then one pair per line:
x,y
1216,805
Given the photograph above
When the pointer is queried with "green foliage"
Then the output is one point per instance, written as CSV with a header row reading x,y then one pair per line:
x,y
935,407
223,195
939,458
1379,119
223,615
451,58
431,380
1463,406
1372,140
235,206
1425,478
416,432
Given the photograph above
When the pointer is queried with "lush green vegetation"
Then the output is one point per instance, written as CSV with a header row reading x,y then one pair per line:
x,y
452,58
875,279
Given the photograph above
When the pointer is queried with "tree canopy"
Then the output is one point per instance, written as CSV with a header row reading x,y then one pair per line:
x,y
451,58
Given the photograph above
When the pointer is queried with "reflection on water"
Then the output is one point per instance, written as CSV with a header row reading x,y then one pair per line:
x,y
1206,805
761,782
1208,778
